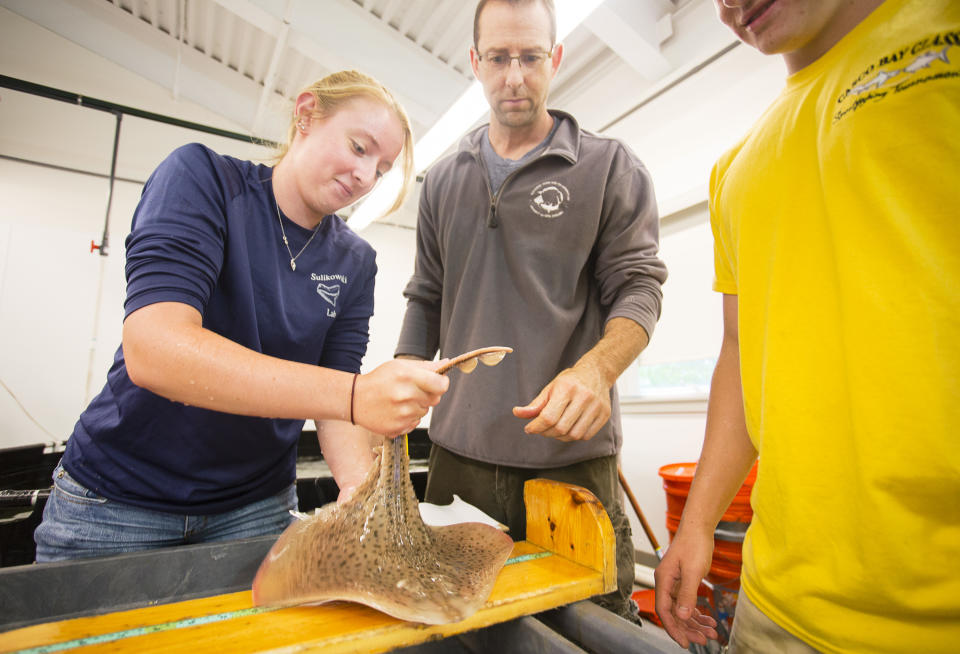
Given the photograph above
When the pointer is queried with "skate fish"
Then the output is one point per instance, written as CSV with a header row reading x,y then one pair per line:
x,y
376,550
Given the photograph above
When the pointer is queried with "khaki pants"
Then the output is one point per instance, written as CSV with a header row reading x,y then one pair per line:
x,y
755,633
498,491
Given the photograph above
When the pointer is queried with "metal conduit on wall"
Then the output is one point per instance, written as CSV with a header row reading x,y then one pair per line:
x,y
119,111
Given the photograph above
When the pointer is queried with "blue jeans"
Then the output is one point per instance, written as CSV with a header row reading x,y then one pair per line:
x,y
78,523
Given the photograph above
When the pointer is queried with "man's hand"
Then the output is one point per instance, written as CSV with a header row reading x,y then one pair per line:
x,y
576,404
677,578
572,407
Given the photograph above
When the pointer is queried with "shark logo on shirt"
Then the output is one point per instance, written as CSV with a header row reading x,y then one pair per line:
x,y
927,58
330,294
882,77
924,61
328,290
920,62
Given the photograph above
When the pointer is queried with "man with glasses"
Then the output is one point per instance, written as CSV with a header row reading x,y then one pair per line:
x,y
543,237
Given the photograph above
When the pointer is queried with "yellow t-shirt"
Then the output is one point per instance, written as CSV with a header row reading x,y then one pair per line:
x,y
837,224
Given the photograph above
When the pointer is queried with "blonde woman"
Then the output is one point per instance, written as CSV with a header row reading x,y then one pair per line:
x,y
247,310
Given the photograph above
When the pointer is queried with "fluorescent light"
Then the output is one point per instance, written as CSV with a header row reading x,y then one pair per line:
x,y
467,109
459,117
451,125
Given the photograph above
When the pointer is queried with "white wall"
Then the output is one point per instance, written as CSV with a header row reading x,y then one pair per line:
x,y
658,431
667,433
60,304
49,287
678,136
396,248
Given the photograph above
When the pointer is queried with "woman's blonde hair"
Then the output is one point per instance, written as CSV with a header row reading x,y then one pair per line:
x,y
332,92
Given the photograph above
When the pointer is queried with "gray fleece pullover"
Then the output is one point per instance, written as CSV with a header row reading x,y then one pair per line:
x,y
568,242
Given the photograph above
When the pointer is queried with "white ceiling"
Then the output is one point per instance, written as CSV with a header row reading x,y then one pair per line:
x,y
245,60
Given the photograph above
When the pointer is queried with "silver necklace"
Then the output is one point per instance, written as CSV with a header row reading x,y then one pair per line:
x,y
293,259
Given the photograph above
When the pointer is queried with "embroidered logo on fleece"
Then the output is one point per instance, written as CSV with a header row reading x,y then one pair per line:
x,y
329,292
549,199
926,60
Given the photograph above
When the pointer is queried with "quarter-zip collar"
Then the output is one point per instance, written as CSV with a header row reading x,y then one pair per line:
x,y
565,143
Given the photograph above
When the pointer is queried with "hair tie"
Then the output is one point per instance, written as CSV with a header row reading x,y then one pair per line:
x,y
353,388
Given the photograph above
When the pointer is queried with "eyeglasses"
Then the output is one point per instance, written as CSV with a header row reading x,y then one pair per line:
x,y
501,60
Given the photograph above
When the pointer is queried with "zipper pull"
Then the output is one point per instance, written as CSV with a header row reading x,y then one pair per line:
x,y
492,217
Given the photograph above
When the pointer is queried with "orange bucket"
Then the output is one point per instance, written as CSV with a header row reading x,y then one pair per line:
x,y
727,554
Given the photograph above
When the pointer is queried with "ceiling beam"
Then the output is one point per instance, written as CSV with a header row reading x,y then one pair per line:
x,y
630,30
413,15
390,11
114,34
209,22
385,54
270,79
327,32
427,28
451,44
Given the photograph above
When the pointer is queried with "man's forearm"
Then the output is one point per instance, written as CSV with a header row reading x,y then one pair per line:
x,y
623,341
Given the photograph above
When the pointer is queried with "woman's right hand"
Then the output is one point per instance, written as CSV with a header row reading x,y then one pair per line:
x,y
393,398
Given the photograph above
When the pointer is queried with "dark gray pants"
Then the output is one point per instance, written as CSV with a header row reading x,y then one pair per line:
x,y
498,491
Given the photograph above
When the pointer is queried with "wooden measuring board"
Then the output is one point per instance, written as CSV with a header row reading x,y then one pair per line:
x,y
569,555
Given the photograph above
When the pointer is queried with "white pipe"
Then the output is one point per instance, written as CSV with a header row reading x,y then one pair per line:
x,y
88,390
643,575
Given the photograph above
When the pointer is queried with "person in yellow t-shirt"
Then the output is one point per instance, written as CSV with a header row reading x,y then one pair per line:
x,y
837,247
